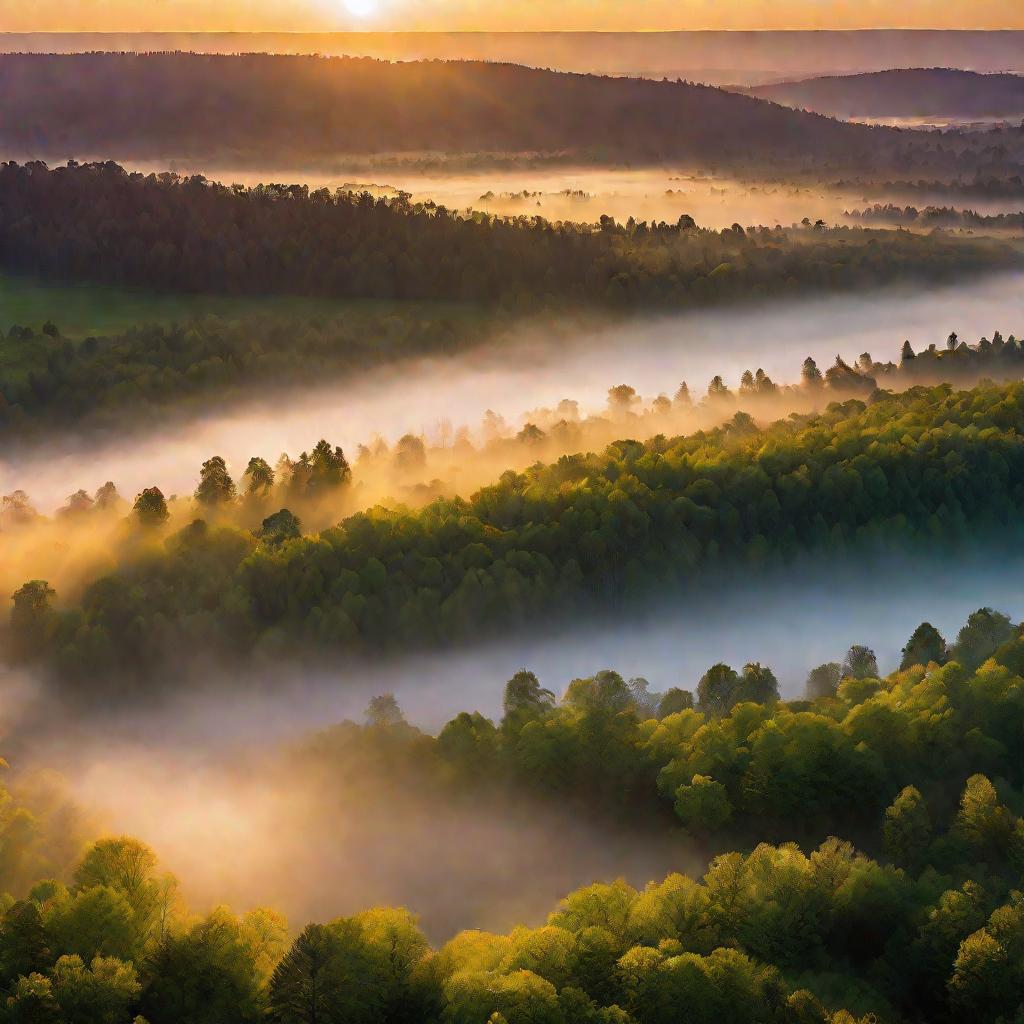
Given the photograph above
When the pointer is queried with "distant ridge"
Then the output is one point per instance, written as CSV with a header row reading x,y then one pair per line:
x,y
273,108
718,58
904,93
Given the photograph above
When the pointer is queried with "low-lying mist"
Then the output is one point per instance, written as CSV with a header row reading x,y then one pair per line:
x,y
585,194
581,194
524,372
212,776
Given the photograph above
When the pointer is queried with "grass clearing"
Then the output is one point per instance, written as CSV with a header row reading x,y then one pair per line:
x,y
81,310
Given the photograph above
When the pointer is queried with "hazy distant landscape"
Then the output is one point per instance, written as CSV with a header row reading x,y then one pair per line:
x,y
716,58
511,528
936,94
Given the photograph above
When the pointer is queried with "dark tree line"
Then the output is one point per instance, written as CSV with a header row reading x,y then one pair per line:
x,y
48,381
96,222
937,217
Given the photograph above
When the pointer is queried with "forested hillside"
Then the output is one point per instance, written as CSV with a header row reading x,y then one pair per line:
x,y
923,767
588,533
47,379
96,222
286,109
905,92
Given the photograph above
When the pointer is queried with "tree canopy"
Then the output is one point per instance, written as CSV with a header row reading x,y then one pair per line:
x,y
590,531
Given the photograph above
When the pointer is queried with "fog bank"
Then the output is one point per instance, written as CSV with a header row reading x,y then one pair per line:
x,y
578,194
206,779
523,372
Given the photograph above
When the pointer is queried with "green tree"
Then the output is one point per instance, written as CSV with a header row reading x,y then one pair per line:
x,y
122,863
96,921
259,478
860,663
265,931
384,712
329,469
717,690
810,375
206,975
410,454
907,830
674,700
925,646
216,488
32,1002
987,982
33,619
280,527
983,822
525,699
302,985
824,680
24,943
703,806
983,633
150,508
99,994
126,866
606,691
397,950
758,685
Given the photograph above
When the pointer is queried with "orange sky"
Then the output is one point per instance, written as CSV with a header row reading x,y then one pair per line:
x,y
497,15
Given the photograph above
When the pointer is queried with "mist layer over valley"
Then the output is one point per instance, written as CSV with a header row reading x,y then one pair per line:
x,y
522,373
586,194
349,833
582,194
505,578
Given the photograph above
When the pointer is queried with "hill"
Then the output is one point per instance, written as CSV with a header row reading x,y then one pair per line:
x,y
278,110
587,534
745,58
904,93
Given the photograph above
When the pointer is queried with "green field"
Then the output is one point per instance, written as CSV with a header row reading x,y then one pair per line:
x,y
81,310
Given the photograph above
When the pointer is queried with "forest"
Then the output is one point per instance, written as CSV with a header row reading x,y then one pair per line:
x,y
508,567
904,93
929,217
192,235
49,380
922,768
593,532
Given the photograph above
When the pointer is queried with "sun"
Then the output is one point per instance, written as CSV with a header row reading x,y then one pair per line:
x,y
362,8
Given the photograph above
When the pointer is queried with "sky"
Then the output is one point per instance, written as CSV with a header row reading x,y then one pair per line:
x,y
500,15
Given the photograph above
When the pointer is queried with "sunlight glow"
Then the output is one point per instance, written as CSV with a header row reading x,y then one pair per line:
x,y
509,15
362,8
